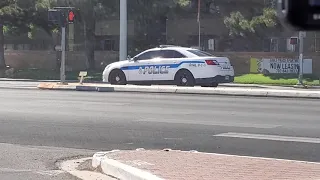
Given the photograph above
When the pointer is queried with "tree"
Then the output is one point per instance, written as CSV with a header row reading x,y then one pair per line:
x,y
21,16
4,6
238,25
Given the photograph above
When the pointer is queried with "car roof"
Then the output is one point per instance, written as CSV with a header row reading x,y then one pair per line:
x,y
172,48
183,50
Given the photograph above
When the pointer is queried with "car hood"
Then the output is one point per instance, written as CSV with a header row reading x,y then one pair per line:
x,y
118,63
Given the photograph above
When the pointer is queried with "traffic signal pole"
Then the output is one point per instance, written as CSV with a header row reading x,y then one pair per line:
x,y
62,16
63,55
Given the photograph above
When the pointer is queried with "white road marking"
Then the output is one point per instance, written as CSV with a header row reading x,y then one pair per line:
x,y
270,137
173,139
210,122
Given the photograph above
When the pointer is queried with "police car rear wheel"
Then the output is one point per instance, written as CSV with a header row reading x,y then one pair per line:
x,y
117,77
184,78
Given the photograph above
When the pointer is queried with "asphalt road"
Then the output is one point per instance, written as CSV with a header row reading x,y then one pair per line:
x,y
84,121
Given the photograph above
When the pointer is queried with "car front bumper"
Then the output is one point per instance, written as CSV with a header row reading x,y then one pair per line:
x,y
216,79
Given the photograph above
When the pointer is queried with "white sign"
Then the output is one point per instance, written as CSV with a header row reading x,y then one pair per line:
x,y
283,65
302,34
82,74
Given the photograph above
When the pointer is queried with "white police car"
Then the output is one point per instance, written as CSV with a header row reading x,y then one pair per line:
x,y
169,65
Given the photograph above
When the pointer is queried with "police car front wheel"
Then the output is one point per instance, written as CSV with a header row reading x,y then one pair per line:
x,y
184,78
117,77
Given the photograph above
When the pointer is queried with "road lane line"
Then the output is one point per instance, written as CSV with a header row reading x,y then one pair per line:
x,y
209,122
270,137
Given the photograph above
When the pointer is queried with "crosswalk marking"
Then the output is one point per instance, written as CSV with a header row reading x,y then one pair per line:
x,y
270,137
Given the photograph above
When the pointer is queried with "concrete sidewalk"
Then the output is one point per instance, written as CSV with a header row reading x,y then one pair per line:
x,y
180,165
235,91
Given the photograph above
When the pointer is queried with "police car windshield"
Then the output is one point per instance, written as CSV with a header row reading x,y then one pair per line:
x,y
200,53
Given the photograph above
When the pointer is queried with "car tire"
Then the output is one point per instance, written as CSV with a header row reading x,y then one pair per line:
x,y
211,85
117,77
184,78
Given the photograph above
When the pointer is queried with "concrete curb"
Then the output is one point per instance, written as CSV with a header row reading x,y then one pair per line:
x,y
55,86
119,170
256,92
86,88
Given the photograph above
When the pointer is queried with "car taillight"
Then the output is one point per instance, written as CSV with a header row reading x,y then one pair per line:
x,y
212,62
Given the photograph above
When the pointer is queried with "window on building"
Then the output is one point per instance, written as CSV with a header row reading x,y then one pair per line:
x,y
109,45
105,45
274,45
291,47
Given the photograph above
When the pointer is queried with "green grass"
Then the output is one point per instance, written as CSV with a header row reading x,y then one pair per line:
x,y
276,79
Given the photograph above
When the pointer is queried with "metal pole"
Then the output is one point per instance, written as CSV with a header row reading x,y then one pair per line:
x,y
199,34
63,56
300,79
166,30
123,30
199,23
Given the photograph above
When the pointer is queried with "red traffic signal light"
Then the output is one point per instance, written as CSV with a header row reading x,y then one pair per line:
x,y
71,16
293,40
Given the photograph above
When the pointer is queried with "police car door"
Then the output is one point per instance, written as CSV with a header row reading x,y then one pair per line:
x,y
168,65
143,67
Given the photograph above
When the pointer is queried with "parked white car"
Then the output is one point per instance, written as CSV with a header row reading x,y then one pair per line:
x,y
171,65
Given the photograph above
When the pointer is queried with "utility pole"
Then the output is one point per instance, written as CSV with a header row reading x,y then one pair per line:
x,y
300,78
123,30
199,35
199,24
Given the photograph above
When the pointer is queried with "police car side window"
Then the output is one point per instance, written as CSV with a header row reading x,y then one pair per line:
x,y
148,55
171,54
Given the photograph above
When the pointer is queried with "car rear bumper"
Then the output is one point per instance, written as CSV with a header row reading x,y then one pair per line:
x,y
216,79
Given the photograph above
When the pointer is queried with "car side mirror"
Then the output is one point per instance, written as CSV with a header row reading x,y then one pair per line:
x,y
134,59
128,57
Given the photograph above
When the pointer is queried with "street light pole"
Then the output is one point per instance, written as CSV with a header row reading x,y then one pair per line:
x,y
123,30
199,24
199,34
300,78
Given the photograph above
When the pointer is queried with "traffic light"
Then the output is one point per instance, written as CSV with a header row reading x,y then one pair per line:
x,y
71,16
